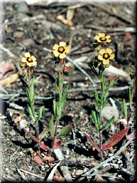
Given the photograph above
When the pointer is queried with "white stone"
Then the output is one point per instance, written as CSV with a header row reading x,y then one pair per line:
x,y
109,111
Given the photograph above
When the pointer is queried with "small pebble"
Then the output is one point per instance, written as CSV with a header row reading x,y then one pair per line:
x,y
109,111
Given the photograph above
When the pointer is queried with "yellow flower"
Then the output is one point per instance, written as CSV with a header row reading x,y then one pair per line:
x,y
105,55
29,60
102,38
60,50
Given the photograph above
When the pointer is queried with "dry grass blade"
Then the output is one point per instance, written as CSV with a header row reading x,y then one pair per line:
x,y
59,155
50,177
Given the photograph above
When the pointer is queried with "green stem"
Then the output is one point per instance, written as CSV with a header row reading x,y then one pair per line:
x,y
100,108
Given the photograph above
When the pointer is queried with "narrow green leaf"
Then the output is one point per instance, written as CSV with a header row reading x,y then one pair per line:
x,y
28,95
105,95
61,106
41,112
43,133
58,79
66,89
111,85
102,89
108,124
31,112
96,97
32,90
55,108
65,130
62,102
104,103
124,108
51,127
104,82
95,117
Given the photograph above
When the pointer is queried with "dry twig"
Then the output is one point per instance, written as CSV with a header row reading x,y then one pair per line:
x,y
104,162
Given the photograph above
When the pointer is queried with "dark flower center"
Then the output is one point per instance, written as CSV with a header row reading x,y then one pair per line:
x,y
106,56
103,38
29,59
61,49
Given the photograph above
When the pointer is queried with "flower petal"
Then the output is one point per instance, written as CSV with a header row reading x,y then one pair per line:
x,y
105,62
96,37
33,58
100,57
27,54
23,59
101,34
55,47
67,49
109,51
102,51
62,44
55,53
63,55
108,37
112,56
108,40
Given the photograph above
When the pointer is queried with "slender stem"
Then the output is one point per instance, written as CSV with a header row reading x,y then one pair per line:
x,y
37,129
57,122
29,77
100,137
100,109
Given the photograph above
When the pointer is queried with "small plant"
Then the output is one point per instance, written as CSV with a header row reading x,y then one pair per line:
x,y
28,65
59,53
104,54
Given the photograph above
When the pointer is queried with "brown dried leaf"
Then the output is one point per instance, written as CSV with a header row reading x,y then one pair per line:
x,y
10,79
61,18
48,158
70,14
18,118
58,178
5,67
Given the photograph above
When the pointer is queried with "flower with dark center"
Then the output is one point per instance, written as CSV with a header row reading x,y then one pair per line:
x,y
29,60
102,38
60,50
105,55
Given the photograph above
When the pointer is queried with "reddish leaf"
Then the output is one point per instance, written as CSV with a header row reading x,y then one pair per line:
x,y
57,143
114,139
94,145
128,116
43,146
48,158
127,37
5,67
30,135
37,160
